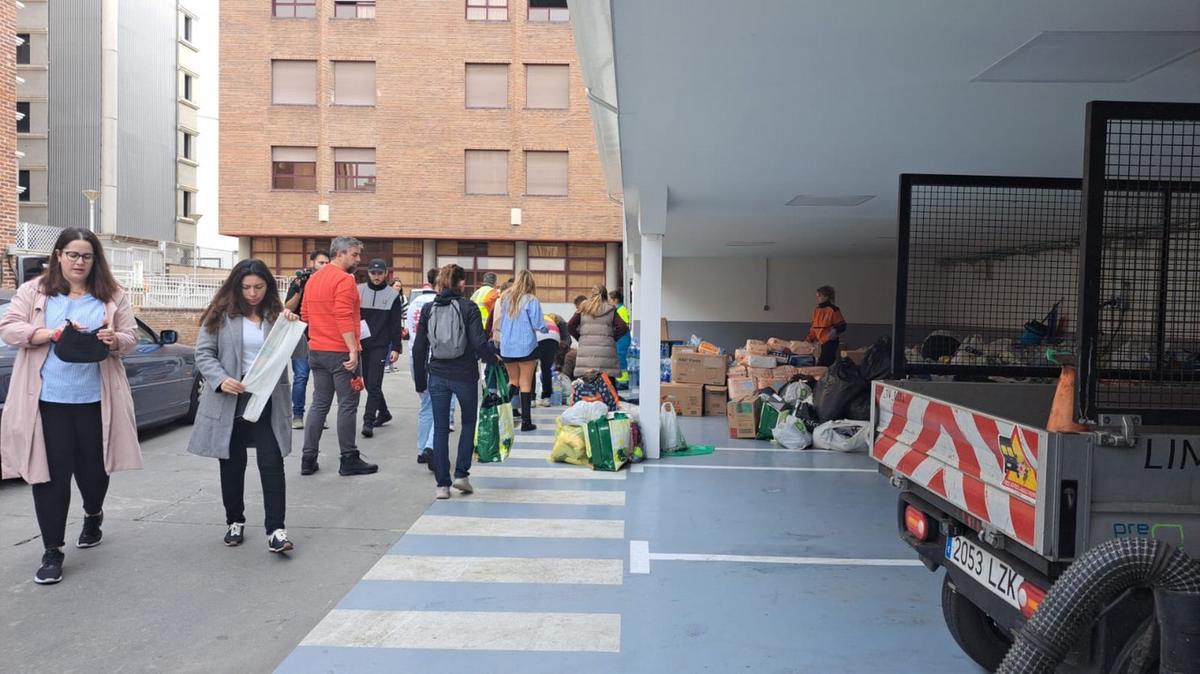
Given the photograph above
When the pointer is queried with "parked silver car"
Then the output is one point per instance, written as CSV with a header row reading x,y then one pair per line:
x,y
162,374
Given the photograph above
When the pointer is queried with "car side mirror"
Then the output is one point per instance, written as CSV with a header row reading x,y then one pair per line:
x,y
168,337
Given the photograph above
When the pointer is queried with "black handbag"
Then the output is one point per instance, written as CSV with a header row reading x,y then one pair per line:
x,y
78,346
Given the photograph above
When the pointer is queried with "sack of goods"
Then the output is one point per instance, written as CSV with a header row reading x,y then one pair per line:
x,y
596,386
494,430
609,441
792,433
844,436
838,389
570,444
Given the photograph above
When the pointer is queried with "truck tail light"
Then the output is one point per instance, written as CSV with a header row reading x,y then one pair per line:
x,y
918,524
1030,596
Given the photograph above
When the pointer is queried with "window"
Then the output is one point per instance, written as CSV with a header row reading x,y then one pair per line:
x,y
23,117
549,11
294,82
295,9
562,271
187,28
23,183
487,10
546,174
478,258
354,9
187,86
189,146
285,255
185,204
354,169
487,171
546,87
294,168
354,82
23,51
408,262
487,85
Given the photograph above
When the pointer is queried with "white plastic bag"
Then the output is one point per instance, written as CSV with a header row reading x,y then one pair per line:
x,y
791,433
668,429
796,392
268,366
846,435
583,411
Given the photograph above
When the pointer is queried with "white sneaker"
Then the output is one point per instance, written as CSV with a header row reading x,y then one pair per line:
x,y
278,541
442,493
542,402
464,485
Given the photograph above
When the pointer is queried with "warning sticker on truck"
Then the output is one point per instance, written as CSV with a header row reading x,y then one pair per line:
x,y
1019,475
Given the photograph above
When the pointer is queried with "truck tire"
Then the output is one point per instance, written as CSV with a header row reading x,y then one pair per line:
x,y
977,634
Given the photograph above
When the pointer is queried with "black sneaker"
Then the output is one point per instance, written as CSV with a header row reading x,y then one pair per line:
x,y
91,534
528,426
382,419
352,464
425,455
51,571
278,541
308,465
367,431
234,536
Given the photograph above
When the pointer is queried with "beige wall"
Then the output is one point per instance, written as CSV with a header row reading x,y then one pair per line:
x,y
419,126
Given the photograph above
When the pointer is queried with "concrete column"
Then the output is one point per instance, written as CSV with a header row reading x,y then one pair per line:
x,y
108,118
244,248
428,256
521,259
612,266
649,309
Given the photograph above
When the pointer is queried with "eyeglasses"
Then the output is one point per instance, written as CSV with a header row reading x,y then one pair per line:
x,y
75,257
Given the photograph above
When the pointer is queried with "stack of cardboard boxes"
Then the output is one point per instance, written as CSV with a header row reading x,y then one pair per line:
x,y
697,385
763,365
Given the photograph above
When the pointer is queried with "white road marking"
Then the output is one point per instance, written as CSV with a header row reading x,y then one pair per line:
x,y
558,472
420,568
533,440
781,450
639,556
521,527
469,630
768,559
542,454
796,469
550,496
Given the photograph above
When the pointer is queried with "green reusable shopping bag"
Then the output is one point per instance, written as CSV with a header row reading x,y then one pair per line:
x,y
767,420
608,441
494,428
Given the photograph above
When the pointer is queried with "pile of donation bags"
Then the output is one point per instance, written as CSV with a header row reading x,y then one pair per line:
x,y
597,429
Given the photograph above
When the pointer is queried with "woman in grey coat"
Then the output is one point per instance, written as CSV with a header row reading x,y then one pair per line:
x,y
233,329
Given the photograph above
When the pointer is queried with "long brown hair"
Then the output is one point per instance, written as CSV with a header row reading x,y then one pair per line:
x,y
522,285
596,302
449,277
100,281
229,300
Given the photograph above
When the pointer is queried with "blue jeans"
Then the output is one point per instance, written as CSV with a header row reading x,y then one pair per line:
x,y
299,385
441,391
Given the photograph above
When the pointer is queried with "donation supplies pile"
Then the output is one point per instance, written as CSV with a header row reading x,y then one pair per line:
x,y
589,432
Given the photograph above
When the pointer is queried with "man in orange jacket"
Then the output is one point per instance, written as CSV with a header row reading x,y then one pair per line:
x,y
331,309
828,324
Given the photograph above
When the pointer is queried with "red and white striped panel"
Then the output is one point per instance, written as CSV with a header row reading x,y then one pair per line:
x,y
955,453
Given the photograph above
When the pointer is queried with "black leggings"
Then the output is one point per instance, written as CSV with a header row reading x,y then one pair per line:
x,y
74,447
270,471
546,351
829,353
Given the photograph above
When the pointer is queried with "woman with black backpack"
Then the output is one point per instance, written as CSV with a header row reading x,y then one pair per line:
x,y
446,349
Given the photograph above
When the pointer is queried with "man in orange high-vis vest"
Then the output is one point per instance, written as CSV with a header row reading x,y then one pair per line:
x,y
828,324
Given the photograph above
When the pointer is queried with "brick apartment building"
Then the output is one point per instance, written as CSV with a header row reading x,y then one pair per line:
x,y
447,131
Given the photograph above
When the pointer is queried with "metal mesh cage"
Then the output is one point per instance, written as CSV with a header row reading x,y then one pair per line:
x,y
1140,345
988,274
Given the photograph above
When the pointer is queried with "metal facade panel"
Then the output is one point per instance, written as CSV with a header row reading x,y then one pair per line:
x,y
146,121
74,111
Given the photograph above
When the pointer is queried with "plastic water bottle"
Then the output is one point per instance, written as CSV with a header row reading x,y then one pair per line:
x,y
556,393
635,364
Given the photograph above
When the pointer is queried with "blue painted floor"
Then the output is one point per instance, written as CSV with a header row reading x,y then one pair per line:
x,y
535,587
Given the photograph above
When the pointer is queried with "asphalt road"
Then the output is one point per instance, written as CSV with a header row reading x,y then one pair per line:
x,y
162,592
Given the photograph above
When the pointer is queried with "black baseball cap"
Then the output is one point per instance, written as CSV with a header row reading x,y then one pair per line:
x,y
377,265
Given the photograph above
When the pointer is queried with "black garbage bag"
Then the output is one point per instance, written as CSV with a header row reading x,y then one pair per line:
x,y
877,363
939,344
837,389
860,408
808,414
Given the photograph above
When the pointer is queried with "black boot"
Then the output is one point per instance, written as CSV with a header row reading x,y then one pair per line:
x,y
352,464
308,465
512,393
367,431
527,419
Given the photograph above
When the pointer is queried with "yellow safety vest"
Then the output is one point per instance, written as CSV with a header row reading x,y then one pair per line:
x,y
478,298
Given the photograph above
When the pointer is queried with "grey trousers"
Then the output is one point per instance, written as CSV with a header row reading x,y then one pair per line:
x,y
328,375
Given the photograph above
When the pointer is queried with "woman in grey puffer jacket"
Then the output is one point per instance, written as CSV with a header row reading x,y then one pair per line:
x,y
597,327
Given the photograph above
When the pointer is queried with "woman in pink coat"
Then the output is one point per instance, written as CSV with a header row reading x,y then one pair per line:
x,y
71,325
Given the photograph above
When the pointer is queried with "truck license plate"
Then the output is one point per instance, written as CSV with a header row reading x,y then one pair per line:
x,y
985,568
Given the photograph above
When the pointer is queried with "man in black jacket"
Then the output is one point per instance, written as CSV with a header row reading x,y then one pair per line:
x,y
383,313
457,376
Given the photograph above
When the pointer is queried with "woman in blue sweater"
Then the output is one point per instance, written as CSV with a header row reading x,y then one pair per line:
x,y
520,316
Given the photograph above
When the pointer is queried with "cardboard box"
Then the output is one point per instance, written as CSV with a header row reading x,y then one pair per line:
x,y
856,355
689,367
760,372
814,372
800,348
678,348
755,348
688,398
785,372
663,334
771,382
743,420
767,362
739,387
715,400
736,371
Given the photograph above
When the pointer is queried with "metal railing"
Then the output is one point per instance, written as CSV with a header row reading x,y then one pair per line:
x,y
174,291
36,238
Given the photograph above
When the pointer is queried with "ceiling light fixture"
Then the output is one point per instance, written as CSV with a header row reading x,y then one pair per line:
x,y
830,200
1091,56
749,244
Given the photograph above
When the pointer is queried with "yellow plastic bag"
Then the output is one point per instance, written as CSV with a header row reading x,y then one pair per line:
x,y
570,444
